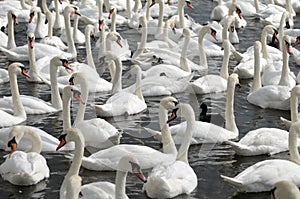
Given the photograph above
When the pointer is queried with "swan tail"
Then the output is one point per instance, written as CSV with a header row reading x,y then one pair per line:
x,y
156,134
232,181
11,53
238,148
286,122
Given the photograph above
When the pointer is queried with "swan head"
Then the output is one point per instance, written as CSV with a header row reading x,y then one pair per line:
x,y
235,7
33,11
181,110
18,68
15,135
11,14
101,23
131,164
70,135
186,32
284,189
60,60
71,90
142,21
296,42
114,36
189,4
71,10
30,39
152,3
112,12
169,102
287,41
233,80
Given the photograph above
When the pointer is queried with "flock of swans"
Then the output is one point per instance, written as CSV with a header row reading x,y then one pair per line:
x,y
175,61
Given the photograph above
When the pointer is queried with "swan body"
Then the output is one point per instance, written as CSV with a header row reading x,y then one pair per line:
x,y
21,168
219,11
19,114
263,175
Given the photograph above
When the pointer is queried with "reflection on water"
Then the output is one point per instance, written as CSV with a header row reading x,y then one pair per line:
x,y
208,161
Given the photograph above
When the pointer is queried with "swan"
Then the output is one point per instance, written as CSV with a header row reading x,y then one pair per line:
x,y
245,68
50,39
263,175
33,67
96,189
97,132
34,105
107,159
40,30
171,180
19,114
219,11
235,10
180,20
122,103
285,189
76,34
271,96
21,168
59,19
214,83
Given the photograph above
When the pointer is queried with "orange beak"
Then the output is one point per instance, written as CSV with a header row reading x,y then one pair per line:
x,y
31,16
61,144
13,147
24,72
67,66
189,4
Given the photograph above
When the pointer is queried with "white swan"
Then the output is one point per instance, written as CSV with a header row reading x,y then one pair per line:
x,y
271,96
285,189
72,182
219,11
49,143
263,175
50,39
40,29
21,168
107,159
12,19
97,132
235,10
214,83
19,114
180,20
34,105
122,103
171,180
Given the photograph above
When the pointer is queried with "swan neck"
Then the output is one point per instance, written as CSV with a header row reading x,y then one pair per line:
x,y
117,82
120,185
33,72
256,5
39,24
224,68
137,5
143,42
264,44
100,8
160,17
128,7
293,147
181,14
75,28
55,96
138,86
229,112
202,55
113,22
294,106
89,56
70,40
24,5
57,15
11,35
148,10
189,116
82,106
281,30
284,79
257,68
50,29
44,6
35,140
77,159
66,112
17,103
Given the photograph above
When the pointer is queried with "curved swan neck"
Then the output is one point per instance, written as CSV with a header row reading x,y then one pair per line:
x,y
183,59
202,55
117,82
70,40
34,138
44,6
55,96
137,4
229,111
24,5
120,191
294,101
224,68
228,22
85,94
293,143
138,86
89,56
257,68
189,115
284,79
17,103
11,35
264,43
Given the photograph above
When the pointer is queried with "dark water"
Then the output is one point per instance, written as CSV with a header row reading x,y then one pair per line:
x,y
208,164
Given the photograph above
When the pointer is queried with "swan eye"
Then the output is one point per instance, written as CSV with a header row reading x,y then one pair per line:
x,y
238,10
13,16
275,31
287,43
176,103
30,39
31,14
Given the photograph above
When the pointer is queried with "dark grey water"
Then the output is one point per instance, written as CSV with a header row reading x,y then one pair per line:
x,y
208,164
